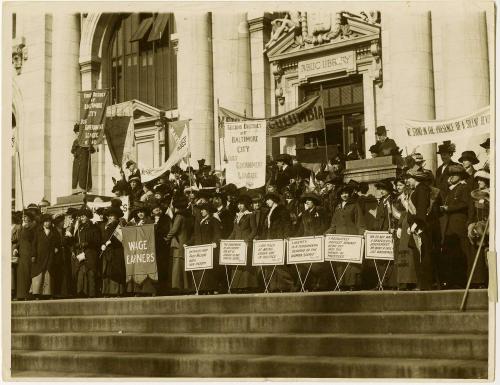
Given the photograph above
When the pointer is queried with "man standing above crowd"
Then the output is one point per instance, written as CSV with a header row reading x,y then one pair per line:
x,y
385,146
445,151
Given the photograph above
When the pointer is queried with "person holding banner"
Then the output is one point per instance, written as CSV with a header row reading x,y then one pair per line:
x,y
348,219
179,235
209,231
140,216
277,226
113,262
245,228
82,173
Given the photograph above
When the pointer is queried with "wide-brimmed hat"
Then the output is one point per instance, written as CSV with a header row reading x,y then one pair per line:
x,y
311,197
272,196
285,158
416,174
384,185
478,194
244,199
446,147
458,170
207,206
180,203
346,188
470,156
229,189
482,174
84,211
380,130
418,158
486,144
129,163
58,218
135,178
142,208
29,214
114,211
101,211
46,218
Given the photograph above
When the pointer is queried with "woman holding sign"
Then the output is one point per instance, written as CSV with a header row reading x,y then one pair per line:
x,y
348,219
245,228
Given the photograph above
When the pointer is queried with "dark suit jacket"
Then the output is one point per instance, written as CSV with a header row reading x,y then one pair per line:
x,y
347,220
441,181
279,224
420,198
385,148
283,178
381,222
313,222
227,219
44,247
454,220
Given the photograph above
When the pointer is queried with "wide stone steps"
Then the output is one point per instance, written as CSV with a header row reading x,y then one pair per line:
x,y
230,365
369,322
458,346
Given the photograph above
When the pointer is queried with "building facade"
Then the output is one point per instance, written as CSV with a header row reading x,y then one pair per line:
x,y
371,67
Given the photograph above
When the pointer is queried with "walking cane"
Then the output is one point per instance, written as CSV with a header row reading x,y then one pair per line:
x,y
474,265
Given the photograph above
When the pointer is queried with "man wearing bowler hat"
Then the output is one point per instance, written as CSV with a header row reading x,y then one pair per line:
x,y
386,146
445,151
131,166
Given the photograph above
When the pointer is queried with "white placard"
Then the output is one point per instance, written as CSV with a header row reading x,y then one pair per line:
x,y
305,250
344,248
379,245
233,252
199,257
268,252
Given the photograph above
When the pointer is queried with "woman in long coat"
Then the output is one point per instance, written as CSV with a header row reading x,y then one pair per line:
x,y
62,279
25,253
46,246
245,278
209,231
179,235
162,227
113,261
347,219
82,173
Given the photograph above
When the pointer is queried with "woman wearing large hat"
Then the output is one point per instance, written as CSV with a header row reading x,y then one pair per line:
x,y
347,219
140,215
468,160
479,208
25,254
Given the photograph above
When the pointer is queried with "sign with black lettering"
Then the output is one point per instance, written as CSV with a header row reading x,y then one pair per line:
x,y
92,117
268,252
139,252
305,250
344,248
327,64
379,245
200,257
233,252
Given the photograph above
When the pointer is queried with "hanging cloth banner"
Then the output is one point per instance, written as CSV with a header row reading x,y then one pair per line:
x,y
246,153
140,254
92,117
307,117
179,131
116,131
434,131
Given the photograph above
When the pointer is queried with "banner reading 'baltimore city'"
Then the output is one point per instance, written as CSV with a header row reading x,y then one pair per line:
x,y
92,115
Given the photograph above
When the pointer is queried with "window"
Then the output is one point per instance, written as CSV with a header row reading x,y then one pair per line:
x,y
142,62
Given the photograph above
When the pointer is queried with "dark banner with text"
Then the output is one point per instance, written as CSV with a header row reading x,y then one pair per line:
x,y
92,117
139,250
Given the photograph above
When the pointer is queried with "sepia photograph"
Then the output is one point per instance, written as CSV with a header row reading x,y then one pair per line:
x,y
265,191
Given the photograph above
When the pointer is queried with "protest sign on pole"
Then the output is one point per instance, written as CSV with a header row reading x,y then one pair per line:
x,y
268,252
433,131
379,245
305,250
233,252
92,117
200,257
245,149
344,248
139,252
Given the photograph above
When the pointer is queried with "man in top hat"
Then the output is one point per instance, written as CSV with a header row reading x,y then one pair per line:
x,y
82,173
486,146
284,162
445,151
453,266
386,146
468,160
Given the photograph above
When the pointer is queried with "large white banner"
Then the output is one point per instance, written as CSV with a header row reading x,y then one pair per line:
x,y
245,145
433,131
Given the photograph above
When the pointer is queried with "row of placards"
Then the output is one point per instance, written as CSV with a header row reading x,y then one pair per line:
x,y
313,249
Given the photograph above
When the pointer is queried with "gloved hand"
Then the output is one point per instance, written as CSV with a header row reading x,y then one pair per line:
x,y
103,247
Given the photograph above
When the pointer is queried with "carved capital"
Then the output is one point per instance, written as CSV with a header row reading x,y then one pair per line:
x,y
89,65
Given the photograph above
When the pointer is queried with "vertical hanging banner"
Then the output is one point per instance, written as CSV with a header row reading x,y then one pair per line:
x,y
139,250
245,144
92,117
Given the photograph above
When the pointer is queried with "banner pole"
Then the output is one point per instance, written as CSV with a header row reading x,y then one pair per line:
x,y
20,176
324,130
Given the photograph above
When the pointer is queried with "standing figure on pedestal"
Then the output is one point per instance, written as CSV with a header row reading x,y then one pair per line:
x,y
82,173
385,145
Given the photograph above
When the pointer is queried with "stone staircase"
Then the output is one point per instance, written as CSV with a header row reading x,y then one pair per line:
x,y
308,335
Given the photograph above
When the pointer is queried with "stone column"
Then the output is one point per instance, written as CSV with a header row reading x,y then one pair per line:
x,y
408,73
231,65
195,80
259,25
462,68
65,100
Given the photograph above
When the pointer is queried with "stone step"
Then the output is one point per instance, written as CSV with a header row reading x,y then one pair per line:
x,y
233,365
456,346
367,322
362,301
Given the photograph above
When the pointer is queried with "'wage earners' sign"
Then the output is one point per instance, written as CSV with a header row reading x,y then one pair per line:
x,y
305,250
140,254
344,248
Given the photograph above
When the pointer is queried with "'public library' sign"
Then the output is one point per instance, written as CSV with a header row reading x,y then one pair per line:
x,y
327,64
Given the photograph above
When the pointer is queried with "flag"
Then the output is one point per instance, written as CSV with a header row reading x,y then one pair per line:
x,y
117,131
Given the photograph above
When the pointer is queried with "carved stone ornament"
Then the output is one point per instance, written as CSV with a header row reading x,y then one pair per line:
x,y
376,67
19,55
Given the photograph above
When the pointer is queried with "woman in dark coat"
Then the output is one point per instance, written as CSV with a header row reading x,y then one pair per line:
x,y
46,245
113,261
62,279
209,231
25,254
179,235
245,278
347,219
277,225
162,228
82,174
88,242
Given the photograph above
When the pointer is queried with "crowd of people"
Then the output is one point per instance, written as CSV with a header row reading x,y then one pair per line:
x,y
437,221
